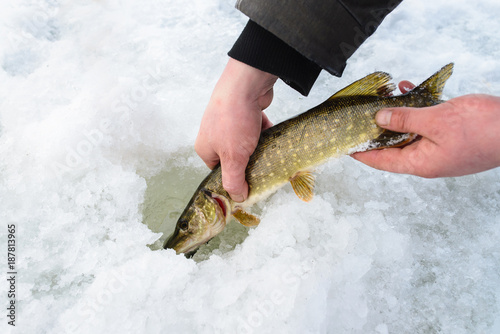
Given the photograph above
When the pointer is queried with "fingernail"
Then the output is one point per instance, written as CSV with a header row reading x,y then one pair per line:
x,y
237,198
383,117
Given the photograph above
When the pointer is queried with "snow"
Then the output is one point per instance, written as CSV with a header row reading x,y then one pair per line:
x,y
100,102
371,145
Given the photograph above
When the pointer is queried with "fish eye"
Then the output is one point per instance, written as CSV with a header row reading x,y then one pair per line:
x,y
183,225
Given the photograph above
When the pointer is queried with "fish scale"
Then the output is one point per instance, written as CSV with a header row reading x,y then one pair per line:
x,y
288,151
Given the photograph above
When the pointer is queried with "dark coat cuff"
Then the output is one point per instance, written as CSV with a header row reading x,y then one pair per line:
x,y
261,49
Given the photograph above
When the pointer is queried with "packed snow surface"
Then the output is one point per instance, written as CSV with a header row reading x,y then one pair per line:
x,y
100,103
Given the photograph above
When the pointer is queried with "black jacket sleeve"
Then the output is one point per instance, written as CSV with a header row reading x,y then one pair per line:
x,y
325,32
259,48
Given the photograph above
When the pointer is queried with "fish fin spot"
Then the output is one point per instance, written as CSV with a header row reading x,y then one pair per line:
x,y
245,218
375,84
303,185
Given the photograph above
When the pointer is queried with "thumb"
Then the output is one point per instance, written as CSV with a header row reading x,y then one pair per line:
x,y
401,119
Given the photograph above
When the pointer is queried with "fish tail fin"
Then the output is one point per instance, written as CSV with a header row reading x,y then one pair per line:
x,y
433,86
431,89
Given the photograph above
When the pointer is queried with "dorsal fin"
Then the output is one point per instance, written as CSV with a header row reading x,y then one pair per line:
x,y
375,84
435,84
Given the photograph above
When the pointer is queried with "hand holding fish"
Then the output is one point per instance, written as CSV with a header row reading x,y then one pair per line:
x,y
232,123
459,137
288,151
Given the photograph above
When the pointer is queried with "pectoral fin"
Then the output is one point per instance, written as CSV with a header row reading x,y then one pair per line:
x,y
392,139
303,185
245,218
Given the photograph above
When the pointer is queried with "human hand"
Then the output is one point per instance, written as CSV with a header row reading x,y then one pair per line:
x,y
232,123
459,137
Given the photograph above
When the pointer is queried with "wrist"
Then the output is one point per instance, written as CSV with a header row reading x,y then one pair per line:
x,y
261,49
251,82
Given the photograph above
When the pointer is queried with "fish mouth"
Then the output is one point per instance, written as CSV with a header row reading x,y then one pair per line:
x,y
216,226
187,249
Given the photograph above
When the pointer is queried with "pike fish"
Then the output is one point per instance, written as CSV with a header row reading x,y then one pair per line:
x,y
289,151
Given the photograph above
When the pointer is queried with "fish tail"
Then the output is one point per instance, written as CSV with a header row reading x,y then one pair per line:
x,y
435,84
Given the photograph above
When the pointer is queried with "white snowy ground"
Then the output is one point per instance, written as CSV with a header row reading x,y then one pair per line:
x,y
100,102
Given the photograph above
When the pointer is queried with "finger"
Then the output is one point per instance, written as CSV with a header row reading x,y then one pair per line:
x,y
405,86
393,160
233,176
421,158
266,99
422,121
206,153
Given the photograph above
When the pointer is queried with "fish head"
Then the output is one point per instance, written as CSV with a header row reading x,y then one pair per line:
x,y
205,216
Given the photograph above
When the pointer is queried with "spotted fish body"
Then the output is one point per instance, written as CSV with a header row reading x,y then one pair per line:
x,y
288,151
